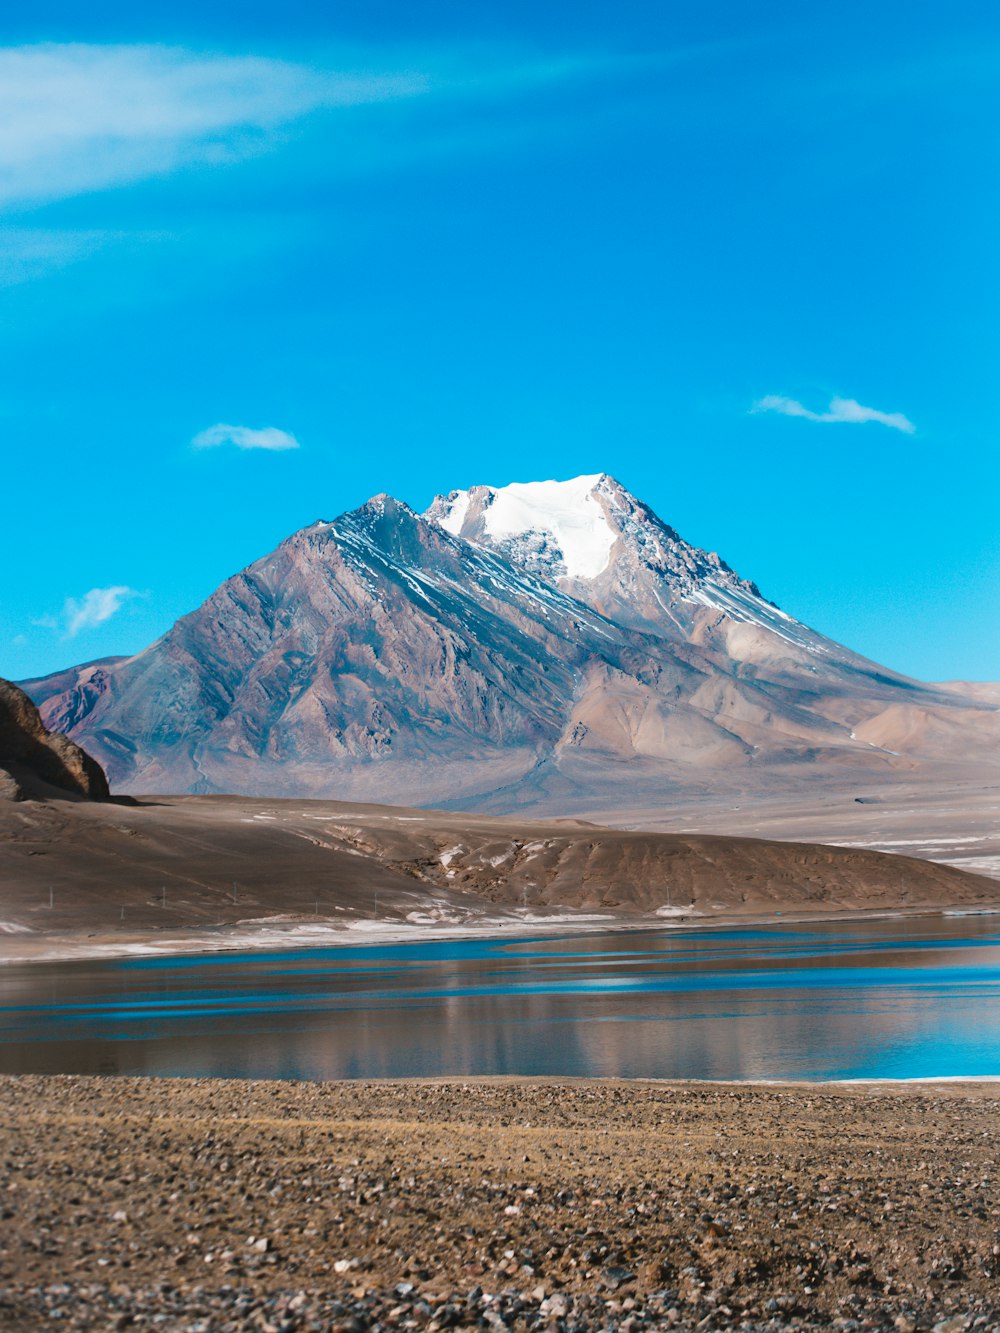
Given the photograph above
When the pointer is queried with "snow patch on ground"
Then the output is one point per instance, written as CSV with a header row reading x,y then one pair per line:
x,y
449,854
928,842
434,917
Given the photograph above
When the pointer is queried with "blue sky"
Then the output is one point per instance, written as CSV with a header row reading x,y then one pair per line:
x,y
742,257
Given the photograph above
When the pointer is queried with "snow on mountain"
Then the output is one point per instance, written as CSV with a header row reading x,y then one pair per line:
x,y
595,540
564,514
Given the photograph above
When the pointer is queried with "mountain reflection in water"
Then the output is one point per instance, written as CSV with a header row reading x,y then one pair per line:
x,y
903,998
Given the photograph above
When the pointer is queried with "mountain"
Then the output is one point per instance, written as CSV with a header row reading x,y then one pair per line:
x,y
34,764
537,645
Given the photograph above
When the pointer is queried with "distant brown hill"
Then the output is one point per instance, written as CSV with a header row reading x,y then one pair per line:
x,y
204,861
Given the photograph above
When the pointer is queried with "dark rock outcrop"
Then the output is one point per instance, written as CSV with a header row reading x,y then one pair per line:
x,y
38,764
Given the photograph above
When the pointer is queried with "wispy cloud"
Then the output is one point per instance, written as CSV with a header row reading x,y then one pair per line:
x,y
245,437
840,410
88,611
75,118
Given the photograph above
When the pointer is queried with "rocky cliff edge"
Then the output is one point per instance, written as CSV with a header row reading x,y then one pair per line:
x,y
36,764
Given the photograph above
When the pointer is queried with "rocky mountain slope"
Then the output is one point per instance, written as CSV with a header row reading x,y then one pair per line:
x,y
36,764
536,646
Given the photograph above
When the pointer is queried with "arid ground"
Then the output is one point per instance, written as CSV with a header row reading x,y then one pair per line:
x,y
89,875
956,823
215,1205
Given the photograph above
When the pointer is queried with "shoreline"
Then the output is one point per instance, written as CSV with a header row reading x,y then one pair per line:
x,y
270,934
971,1084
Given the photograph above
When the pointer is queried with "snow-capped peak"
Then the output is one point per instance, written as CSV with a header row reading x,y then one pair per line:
x,y
565,516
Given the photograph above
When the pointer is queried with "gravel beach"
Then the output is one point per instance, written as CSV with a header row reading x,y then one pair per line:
x,y
217,1205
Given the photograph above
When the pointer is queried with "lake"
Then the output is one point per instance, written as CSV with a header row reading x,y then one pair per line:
x,y
902,998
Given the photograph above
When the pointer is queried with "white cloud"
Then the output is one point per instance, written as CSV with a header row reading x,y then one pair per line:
x,y
75,118
244,437
840,410
93,608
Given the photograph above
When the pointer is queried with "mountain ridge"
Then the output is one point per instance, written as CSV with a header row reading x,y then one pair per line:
x,y
383,654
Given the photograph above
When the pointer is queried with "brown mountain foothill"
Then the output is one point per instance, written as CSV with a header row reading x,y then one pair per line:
x,y
219,871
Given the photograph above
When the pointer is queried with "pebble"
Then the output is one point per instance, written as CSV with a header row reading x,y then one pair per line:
x,y
571,1207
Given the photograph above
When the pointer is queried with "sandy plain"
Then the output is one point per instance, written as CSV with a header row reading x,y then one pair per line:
x,y
953,822
209,1205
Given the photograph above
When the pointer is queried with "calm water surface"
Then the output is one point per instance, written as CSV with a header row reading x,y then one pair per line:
x,y
900,999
